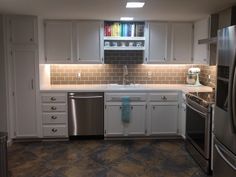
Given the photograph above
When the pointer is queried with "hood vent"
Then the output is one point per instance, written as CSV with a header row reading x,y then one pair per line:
x,y
217,21
213,27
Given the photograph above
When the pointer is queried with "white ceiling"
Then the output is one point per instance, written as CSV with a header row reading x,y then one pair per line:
x,y
173,10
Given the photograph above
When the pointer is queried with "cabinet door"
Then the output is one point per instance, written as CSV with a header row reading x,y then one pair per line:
x,y
58,42
137,124
158,33
181,45
182,120
23,29
200,51
113,122
24,70
163,118
88,42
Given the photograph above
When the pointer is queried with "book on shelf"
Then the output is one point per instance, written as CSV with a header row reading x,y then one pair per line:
x,y
122,29
139,31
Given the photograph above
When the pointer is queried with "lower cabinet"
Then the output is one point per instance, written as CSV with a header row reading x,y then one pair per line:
x,y
137,125
114,126
150,114
163,118
54,115
113,122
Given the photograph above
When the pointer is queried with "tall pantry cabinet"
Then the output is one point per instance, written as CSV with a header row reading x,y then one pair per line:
x,y
22,61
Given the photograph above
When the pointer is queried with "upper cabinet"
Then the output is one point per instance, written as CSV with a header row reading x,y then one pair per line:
x,y
157,47
22,29
73,42
169,43
58,42
181,42
200,51
88,43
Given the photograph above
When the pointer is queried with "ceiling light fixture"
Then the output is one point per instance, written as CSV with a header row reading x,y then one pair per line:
x,y
135,4
126,18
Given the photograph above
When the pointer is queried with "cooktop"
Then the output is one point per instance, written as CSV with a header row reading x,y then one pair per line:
x,y
204,99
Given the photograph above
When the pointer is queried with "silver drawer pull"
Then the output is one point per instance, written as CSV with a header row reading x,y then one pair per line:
x,y
163,98
53,108
53,99
54,117
54,130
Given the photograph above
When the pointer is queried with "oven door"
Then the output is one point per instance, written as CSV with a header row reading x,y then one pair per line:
x,y
198,126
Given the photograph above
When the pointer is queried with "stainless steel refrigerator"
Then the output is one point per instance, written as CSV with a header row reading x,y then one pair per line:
x,y
225,111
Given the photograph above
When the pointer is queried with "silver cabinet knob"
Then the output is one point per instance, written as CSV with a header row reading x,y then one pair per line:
x,y
53,99
53,108
68,58
54,130
174,59
54,117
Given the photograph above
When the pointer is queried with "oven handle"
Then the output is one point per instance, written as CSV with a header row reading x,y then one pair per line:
x,y
204,114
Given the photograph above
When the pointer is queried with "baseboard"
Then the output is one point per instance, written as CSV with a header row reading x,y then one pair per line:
x,y
146,138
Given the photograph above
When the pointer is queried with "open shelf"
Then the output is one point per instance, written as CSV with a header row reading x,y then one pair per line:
x,y
112,38
124,48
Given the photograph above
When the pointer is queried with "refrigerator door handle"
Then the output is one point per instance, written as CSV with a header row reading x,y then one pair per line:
x,y
220,150
233,99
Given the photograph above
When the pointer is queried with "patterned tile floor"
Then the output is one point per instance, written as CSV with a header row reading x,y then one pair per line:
x,y
99,158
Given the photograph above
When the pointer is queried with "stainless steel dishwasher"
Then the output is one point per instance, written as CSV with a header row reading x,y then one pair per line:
x,y
86,113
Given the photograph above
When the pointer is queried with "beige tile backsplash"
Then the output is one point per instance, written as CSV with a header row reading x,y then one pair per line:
x,y
138,73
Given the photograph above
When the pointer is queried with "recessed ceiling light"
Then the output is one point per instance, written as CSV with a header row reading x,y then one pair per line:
x,y
126,18
135,4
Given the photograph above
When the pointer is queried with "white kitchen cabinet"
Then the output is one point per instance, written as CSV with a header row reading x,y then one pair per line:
x,y
88,43
114,126
182,115
113,123
181,43
22,29
137,124
58,41
54,115
163,118
25,83
158,38
182,121
200,51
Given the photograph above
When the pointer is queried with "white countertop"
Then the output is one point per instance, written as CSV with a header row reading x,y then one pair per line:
x,y
126,88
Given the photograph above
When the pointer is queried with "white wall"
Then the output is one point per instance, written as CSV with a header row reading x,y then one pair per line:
x,y
3,97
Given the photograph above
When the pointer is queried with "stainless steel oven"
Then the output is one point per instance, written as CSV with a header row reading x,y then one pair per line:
x,y
198,130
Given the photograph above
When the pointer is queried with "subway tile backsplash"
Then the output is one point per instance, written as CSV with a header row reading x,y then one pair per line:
x,y
138,73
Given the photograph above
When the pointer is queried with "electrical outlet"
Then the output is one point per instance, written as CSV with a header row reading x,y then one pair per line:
x,y
78,75
149,74
209,78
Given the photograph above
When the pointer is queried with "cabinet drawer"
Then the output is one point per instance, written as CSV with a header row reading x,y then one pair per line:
x,y
55,130
117,97
53,98
54,118
163,96
54,107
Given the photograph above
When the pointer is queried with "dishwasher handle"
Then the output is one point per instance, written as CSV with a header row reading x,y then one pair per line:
x,y
85,97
